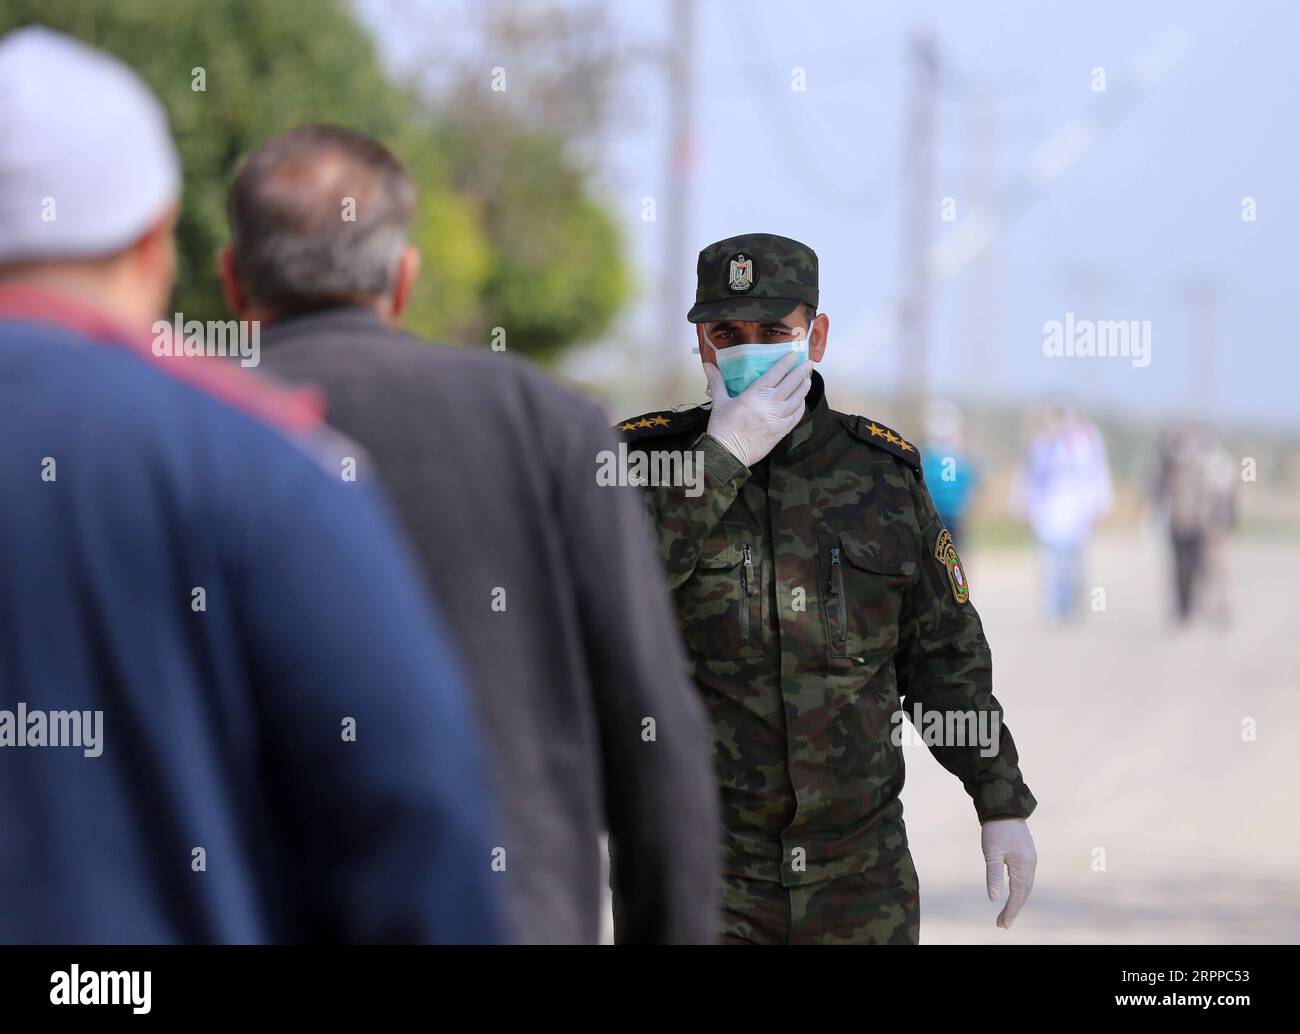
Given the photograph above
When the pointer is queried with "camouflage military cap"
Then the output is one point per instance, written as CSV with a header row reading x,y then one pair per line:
x,y
756,276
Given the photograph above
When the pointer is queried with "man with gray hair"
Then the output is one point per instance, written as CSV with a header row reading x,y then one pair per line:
x,y
542,572
299,250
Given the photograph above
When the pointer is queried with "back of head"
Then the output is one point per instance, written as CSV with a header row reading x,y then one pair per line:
x,y
319,216
87,163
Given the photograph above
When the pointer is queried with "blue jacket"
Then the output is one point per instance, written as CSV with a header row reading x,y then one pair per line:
x,y
181,554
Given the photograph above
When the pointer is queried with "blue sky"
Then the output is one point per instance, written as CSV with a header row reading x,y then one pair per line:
x,y
1155,202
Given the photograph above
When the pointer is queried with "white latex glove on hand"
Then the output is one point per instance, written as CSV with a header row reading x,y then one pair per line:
x,y
1007,842
751,424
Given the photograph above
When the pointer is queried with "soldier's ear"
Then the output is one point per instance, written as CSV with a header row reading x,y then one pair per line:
x,y
708,354
817,336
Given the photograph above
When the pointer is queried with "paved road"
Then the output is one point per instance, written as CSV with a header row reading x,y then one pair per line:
x,y
1130,734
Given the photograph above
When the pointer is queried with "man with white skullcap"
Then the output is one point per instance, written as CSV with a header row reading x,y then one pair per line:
x,y
227,713
89,175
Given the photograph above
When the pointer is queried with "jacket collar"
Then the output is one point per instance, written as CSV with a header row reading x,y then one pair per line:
x,y
817,423
297,409
37,303
312,321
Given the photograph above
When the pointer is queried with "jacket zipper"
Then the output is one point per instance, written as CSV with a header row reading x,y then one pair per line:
x,y
837,590
746,573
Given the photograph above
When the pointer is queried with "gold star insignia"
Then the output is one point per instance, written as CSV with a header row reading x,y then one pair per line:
x,y
661,421
876,432
643,422
907,446
892,438
629,426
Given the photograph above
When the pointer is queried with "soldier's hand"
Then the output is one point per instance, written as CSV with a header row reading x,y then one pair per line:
x,y
751,424
1006,842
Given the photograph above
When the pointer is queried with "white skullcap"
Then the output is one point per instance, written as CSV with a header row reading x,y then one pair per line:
x,y
79,128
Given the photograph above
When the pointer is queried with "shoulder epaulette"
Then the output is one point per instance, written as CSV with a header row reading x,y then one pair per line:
x,y
664,422
884,438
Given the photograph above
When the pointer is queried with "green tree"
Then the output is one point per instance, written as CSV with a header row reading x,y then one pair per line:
x,y
231,73
518,244
556,272
525,99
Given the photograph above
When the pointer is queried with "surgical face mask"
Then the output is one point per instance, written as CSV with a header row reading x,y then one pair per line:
x,y
742,365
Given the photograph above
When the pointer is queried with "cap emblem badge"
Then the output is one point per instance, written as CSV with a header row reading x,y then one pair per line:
x,y
741,273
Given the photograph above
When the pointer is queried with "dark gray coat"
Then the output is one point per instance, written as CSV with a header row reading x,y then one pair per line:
x,y
492,468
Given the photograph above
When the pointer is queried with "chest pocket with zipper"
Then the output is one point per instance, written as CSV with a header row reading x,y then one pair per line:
x,y
864,583
721,606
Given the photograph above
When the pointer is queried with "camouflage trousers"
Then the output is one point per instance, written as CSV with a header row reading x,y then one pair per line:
x,y
876,906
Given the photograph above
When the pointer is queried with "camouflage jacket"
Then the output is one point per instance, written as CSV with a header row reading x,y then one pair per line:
x,y
818,593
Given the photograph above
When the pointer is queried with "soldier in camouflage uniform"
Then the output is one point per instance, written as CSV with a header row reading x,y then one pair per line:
x,y
819,594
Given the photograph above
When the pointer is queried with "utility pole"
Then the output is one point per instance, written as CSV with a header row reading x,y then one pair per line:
x,y
1202,300
1085,287
1053,159
920,209
982,291
679,62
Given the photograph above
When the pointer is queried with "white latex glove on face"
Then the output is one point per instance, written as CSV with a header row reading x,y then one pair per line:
x,y
751,424
1006,842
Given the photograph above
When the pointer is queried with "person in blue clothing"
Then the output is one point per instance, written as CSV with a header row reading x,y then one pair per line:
x,y
949,471
227,711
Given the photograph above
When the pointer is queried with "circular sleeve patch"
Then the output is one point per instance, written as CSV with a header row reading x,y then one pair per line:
x,y
946,553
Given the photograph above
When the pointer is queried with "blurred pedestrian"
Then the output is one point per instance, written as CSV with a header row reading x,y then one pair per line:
x,y
229,714
1068,490
950,472
546,575
1194,494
